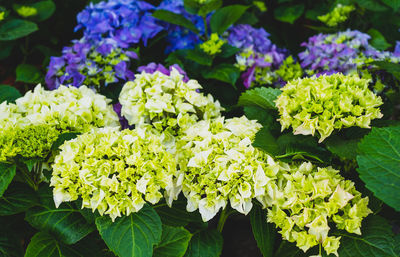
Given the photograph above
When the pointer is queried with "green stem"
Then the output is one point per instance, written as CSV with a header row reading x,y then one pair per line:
x,y
320,253
223,217
205,27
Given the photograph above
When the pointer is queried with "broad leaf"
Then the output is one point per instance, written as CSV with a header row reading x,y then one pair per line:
x,y
176,19
263,232
343,148
199,56
287,249
177,215
7,173
224,72
376,240
378,40
16,28
45,9
379,164
28,73
263,97
289,13
10,246
225,17
44,245
397,244
394,4
393,68
6,48
265,141
209,7
227,50
133,235
372,5
206,243
65,222
17,198
174,242
8,93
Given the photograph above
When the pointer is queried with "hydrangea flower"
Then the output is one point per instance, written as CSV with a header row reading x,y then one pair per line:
x,y
153,67
326,103
289,70
179,37
258,57
306,199
219,165
338,15
125,21
94,64
165,102
114,172
339,52
213,45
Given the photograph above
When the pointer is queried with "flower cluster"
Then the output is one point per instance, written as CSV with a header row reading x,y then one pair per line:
x,y
289,70
258,57
213,45
112,171
339,52
219,165
165,102
95,64
326,103
125,21
306,199
338,15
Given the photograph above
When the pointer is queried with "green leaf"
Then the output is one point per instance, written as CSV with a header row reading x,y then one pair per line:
x,y
174,242
28,73
199,56
191,6
133,235
263,97
265,141
264,117
16,28
64,222
9,94
176,215
397,244
225,17
9,245
176,19
394,4
379,164
343,148
206,243
44,245
223,72
45,9
209,7
393,68
62,138
376,240
289,13
7,173
6,48
372,5
378,40
17,198
287,249
263,232
227,51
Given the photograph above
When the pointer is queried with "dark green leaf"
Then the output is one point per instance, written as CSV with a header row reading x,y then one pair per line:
x,y
262,96
28,73
6,48
9,245
62,138
224,72
379,164
289,13
393,68
397,244
225,17
378,40
7,173
227,51
394,4
133,235
199,56
176,19
9,94
177,215
248,18
263,232
209,7
372,5
17,198
174,242
45,10
207,243
265,141
376,240
343,148
191,6
64,222
16,28
44,245
287,249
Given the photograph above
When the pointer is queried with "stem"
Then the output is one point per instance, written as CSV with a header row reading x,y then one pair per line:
x,y
320,249
205,27
223,217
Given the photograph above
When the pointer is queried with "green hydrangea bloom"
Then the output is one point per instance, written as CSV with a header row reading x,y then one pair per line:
x,y
213,45
289,69
306,199
338,15
219,164
2,15
32,141
26,11
326,103
112,171
165,103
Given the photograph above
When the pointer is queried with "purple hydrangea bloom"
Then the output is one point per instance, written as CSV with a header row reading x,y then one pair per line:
x,y
339,52
125,21
258,58
153,67
91,64
124,123
396,52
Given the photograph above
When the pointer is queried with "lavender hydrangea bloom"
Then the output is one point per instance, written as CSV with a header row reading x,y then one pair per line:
x,y
179,37
90,64
153,67
258,58
125,21
339,52
397,49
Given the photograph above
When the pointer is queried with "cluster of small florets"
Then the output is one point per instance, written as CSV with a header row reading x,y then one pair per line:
x,y
326,103
289,70
113,171
258,58
96,64
213,45
338,15
165,102
305,199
